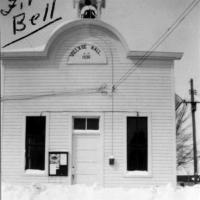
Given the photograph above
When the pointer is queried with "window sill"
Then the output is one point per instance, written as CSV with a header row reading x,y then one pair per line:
x,y
86,132
137,174
32,172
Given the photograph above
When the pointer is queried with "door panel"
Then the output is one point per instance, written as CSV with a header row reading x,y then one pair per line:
x,y
86,159
81,179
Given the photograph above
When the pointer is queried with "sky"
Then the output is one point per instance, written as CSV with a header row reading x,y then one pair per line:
x,y
141,22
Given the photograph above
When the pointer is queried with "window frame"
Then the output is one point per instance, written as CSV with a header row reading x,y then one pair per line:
x,y
138,173
40,172
85,131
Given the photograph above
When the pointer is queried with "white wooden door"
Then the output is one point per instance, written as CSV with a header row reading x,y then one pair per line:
x,y
86,162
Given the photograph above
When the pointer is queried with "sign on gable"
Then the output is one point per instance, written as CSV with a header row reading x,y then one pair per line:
x,y
87,54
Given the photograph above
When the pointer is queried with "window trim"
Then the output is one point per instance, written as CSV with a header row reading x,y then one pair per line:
x,y
86,131
141,173
45,171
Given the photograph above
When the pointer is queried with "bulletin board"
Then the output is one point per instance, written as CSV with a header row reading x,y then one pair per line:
x,y
58,163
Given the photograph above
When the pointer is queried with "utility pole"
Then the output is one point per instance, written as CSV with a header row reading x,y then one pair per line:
x,y
193,110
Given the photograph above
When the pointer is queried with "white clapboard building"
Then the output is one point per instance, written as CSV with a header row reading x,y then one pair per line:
x,y
86,109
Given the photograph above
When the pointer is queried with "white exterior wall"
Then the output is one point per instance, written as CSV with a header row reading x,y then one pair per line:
x,y
149,90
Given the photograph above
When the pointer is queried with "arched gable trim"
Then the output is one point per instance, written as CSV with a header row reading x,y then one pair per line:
x,y
43,52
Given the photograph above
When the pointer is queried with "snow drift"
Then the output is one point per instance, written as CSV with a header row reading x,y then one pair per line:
x,y
81,192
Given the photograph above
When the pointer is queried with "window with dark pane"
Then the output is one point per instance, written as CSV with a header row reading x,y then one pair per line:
x,y
79,123
92,124
35,142
137,143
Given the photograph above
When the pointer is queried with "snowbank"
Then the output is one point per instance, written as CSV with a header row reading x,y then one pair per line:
x,y
80,192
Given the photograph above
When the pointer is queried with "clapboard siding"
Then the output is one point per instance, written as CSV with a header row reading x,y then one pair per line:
x,y
147,90
160,147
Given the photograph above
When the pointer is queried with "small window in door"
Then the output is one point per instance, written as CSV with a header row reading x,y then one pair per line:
x,y
86,124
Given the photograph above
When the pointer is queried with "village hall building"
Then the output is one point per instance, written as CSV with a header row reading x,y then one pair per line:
x,y
86,109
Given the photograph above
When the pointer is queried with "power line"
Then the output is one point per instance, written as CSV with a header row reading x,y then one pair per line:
x,y
89,111
101,89
112,89
161,39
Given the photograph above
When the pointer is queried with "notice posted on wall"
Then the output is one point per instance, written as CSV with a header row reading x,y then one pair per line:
x,y
58,163
53,168
63,159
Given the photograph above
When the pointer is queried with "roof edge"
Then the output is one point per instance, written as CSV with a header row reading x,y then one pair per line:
x,y
158,55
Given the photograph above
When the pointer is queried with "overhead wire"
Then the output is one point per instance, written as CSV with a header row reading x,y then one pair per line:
x,y
161,39
101,90
87,111
109,45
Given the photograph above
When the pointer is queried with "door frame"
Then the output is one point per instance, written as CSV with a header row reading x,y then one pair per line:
x,y
101,136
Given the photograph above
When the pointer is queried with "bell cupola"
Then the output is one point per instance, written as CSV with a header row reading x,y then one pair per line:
x,y
89,9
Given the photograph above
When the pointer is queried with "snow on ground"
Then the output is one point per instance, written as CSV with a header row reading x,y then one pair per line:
x,y
79,192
